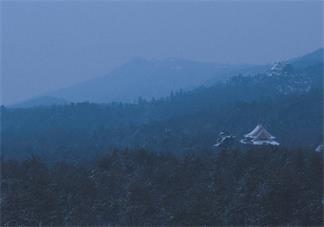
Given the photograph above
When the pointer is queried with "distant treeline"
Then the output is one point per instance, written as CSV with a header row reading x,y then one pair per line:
x,y
256,187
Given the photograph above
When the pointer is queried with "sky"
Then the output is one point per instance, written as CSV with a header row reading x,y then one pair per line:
x,y
54,44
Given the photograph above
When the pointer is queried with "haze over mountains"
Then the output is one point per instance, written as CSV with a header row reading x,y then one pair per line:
x,y
287,98
163,148
151,113
141,78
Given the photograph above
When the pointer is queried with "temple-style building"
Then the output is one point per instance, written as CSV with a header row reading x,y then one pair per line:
x,y
259,136
224,140
280,69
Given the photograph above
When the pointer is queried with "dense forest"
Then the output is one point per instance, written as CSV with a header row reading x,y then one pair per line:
x,y
289,105
152,163
176,113
258,187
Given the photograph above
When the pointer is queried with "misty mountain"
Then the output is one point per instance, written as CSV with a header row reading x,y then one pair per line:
x,y
141,78
149,79
289,103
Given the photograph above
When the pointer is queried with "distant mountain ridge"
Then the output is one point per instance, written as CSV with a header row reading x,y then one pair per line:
x,y
147,79
287,100
158,78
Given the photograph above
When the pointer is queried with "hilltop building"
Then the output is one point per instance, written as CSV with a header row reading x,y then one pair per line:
x,y
281,68
259,136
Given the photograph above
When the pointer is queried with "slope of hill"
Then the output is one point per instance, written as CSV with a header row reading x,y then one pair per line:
x,y
147,79
313,58
183,121
158,78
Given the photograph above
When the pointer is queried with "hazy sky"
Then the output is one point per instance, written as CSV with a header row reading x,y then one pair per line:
x,y
54,44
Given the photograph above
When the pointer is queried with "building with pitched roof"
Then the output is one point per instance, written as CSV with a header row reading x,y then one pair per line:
x,y
224,140
259,136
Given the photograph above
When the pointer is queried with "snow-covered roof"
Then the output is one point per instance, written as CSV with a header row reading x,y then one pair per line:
x,y
254,132
224,137
265,142
259,132
260,142
277,66
259,136
222,140
281,68
319,148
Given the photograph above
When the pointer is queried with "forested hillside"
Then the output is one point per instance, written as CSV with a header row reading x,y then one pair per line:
x,y
290,105
151,113
152,163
